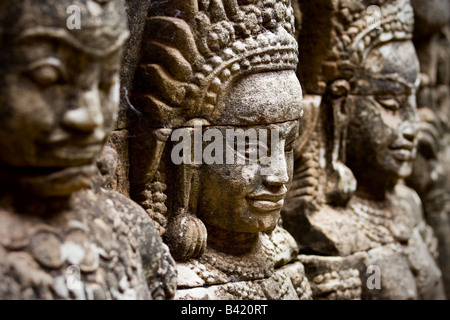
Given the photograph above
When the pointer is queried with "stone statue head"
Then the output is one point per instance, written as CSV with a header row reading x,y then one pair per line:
x,y
367,75
214,68
59,90
431,19
430,16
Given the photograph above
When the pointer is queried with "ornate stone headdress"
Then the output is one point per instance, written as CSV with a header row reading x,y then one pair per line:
x,y
336,37
345,31
103,28
193,51
196,48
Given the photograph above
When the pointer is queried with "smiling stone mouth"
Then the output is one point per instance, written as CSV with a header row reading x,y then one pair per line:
x,y
403,154
41,171
266,205
268,197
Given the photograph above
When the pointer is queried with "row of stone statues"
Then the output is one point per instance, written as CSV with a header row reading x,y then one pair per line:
x,y
224,149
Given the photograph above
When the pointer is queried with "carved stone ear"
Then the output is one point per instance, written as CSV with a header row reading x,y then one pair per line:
x,y
340,88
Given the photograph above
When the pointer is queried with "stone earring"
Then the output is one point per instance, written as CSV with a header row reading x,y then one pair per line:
x,y
186,234
342,183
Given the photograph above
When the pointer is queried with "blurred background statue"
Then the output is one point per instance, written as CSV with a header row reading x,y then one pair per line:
x,y
431,172
360,229
63,235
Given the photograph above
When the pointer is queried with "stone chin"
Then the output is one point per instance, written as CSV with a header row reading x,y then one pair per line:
x,y
60,182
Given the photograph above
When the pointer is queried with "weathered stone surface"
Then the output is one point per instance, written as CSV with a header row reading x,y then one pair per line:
x,y
64,235
138,103
222,65
104,237
119,162
349,209
431,170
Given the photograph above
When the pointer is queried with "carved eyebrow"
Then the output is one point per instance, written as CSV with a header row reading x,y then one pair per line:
x,y
293,134
62,35
55,62
382,83
290,131
397,79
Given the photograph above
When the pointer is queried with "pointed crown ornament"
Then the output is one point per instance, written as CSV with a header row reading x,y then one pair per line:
x,y
102,22
194,52
197,48
347,35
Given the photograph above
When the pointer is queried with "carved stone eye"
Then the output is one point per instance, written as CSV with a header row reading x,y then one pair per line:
x,y
46,75
389,102
289,147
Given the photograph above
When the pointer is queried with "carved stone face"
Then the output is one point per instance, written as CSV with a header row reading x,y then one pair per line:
x,y
248,197
56,113
382,136
58,105
430,15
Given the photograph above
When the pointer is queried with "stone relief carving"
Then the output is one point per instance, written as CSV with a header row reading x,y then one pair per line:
x,y
63,234
209,67
430,175
349,209
115,137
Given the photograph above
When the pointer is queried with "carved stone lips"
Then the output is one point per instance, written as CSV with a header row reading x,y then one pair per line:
x,y
43,171
404,152
267,201
74,155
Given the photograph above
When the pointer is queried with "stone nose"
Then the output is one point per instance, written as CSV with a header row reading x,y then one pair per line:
x,y
409,132
86,115
276,173
409,129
